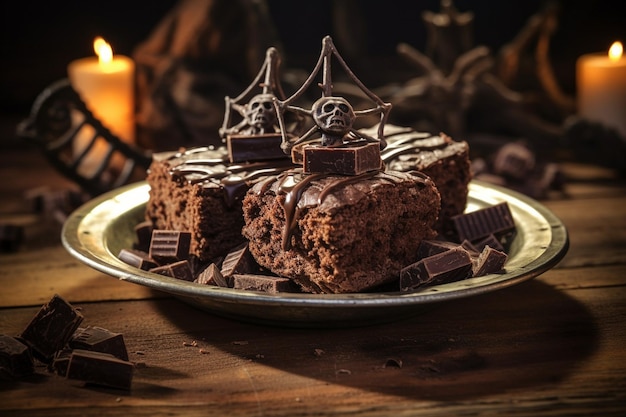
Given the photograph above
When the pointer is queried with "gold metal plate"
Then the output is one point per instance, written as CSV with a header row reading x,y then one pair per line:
x,y
96,232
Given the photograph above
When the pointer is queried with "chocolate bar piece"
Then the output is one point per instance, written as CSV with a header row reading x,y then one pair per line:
x,y
212,275
11,237
179,270
16,360
51,328
239,261
100,369
143,231
167,246
490,261
263,283
496,220
490,240
137,258
60,361
432,247
345,160
449,266
247,148
100,340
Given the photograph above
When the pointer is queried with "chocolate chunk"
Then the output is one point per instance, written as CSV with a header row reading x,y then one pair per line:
x,y
496,220
137,258
246,148
449,266
490,261
60,361
514,160
349,159
11,237
143,231
239,261
432,247
16,360
490,240
178,270
100,369
51,328
100,340
264,283
211,275
167,246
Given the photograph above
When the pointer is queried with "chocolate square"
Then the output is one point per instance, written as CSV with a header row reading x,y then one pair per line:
x,y
352,159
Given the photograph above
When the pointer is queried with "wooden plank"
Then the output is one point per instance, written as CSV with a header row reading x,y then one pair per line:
x,y
531,347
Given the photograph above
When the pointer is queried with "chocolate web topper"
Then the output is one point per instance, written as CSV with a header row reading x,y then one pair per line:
x,y
334,117
258,111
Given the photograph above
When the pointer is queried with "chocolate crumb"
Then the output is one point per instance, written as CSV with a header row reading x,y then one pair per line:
x,y
393,363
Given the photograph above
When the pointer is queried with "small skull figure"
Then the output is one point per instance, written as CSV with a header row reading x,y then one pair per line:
x,y
260,114
335,117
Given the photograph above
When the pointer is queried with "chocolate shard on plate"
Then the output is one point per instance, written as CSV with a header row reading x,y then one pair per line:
x,y
496,220
264,283
100,369
449,266
16,360
490,261
429,247
346,160
490,240
143,231
247,148
137,258
211,275
167,246
100,340
239,261
178,270
51,328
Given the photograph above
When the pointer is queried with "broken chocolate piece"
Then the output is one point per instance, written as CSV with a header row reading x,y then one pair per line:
x,y
264,283
496,220
11,237
211,275
143,231
178,270
239,261
248,148
52,327
100,340
490,240
100,369
60,361
449,266
167,246
16,360
514,160
349,159
432,247
137,258
490,261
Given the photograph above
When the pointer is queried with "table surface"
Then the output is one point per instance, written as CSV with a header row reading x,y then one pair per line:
x,y
550,346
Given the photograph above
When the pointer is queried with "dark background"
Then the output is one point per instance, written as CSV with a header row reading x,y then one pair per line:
x,y
39,39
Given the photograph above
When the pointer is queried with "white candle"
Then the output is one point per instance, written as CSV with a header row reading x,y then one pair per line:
x,y
601,85
106,84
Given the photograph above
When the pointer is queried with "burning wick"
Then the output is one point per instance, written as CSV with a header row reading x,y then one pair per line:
x,y
615,51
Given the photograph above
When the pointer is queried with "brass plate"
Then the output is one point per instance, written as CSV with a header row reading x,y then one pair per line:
x,y
96,232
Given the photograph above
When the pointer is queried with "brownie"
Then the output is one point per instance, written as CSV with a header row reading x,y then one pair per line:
x,y
340,234
199,191
443,159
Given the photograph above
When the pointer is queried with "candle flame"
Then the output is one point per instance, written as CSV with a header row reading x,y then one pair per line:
x,y
615,51
103,50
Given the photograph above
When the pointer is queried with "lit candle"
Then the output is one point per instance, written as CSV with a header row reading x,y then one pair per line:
x,y
106,84
601,85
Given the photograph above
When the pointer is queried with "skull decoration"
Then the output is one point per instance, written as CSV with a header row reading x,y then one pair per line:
x,y
260,113
334,116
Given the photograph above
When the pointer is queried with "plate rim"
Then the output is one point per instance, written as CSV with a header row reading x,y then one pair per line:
x,y
71,240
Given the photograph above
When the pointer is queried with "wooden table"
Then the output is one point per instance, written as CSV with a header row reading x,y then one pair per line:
x,y
552,346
